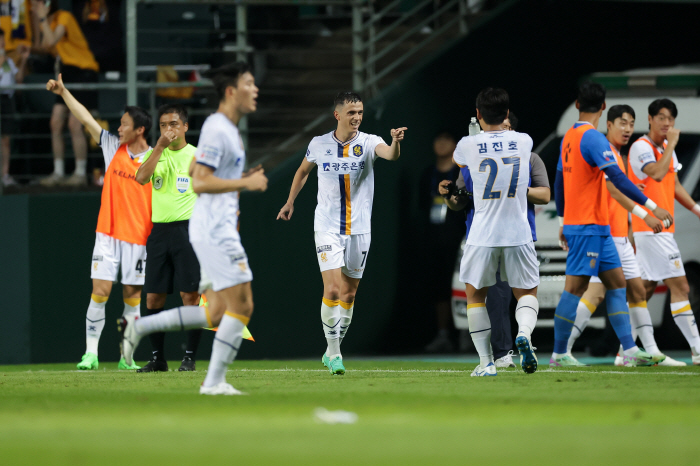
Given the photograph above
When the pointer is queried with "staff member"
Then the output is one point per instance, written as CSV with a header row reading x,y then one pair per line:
x,y
171,259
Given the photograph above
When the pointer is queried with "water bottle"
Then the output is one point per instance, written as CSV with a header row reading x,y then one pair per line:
x,y
474,127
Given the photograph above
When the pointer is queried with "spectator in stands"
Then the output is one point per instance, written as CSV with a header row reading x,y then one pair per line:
x,y
17,26
59,29
9,74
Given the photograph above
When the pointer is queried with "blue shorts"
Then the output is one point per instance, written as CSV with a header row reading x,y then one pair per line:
x,y
591,255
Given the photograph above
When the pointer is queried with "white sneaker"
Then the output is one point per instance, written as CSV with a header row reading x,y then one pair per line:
x,y
671,362
505,361
489,370
221,388
619,360
130,339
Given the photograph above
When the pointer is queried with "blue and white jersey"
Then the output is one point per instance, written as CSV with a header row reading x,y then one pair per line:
x,y
345,182
215,216
499,166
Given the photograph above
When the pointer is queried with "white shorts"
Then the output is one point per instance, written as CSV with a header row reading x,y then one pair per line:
x,y
658,257
223,266
334,251
519,266
109,254
629,263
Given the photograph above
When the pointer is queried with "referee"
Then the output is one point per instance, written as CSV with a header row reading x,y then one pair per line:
x,y
171,259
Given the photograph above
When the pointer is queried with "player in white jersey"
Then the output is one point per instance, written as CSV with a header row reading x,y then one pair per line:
x,y
217,177
498,162
345,159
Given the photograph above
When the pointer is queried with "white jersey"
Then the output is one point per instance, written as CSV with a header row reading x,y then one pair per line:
x,y
215,216
499,165
345,182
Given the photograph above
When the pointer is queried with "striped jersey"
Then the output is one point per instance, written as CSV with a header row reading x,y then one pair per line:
x,y
345,182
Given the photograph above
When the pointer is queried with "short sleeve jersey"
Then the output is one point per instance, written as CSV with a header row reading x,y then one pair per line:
x,y
499,166
215,216
345,182
642,154
73,47
173,198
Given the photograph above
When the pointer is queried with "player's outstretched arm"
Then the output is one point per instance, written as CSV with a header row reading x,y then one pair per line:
x,y
626,187
76,108
204,181
392,152
657,170
685,199
145,171
299,181
634,209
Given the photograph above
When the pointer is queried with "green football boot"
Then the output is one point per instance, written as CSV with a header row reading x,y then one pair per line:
x,y
124,366
335,366
565,361
640,358
326,361
89,362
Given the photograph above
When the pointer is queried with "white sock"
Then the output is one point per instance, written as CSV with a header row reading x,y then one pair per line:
x,y
685,320
80,167
330,317
346,310
226,343
132,307
526,314
630,351
180,318
58,167
642,326
94,322
480,330
584,311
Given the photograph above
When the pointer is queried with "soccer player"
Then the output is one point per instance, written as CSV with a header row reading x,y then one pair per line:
x,y
500,234
171,259
499,295
345,159
620,127
218,178
652,162
582,207
124,222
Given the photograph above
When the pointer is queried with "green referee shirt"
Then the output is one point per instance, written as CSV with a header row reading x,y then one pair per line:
x,y
173,197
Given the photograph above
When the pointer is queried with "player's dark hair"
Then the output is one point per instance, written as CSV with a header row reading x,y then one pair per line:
x,y
173,108
513,121
616,111
656,106
493,105
346,97
141,118
591,97
227,76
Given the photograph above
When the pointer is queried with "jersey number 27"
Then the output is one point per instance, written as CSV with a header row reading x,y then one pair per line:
x,y
492,165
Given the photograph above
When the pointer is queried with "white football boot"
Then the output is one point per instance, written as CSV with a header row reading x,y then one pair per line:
x,y
489,370
130,339
505,361
221,388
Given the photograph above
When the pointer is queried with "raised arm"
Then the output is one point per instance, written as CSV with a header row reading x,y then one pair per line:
x,y
49,37
657,170
299,181
204,181
76,108
392,152
145,171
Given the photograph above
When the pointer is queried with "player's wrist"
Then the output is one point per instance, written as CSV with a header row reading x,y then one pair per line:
x,y
561,221
651,205
639,212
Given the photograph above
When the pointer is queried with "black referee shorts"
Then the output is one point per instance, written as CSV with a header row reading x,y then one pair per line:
x,y
172,263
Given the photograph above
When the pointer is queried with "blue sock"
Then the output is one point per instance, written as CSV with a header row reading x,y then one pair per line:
x,y
564,318
619,315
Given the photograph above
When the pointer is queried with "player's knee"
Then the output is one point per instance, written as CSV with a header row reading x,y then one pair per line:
x,y
155,301
348,297
331,292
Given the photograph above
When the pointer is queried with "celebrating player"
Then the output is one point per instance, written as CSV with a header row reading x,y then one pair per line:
x,y
170,254
500,235
652,162
124,222
345,159
620,128
218,178
499,295
583,210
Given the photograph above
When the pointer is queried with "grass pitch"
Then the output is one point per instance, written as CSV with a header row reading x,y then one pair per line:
x,y
408,413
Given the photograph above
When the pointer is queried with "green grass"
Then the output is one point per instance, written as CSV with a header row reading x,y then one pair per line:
x,y
409,413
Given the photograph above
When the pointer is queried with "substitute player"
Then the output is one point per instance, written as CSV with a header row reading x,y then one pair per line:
x,y
124,222
620,127
217,178
500,234
583,210
171,259
345,159
653,162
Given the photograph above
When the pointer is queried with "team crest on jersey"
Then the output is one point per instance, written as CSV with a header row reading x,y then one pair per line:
x,y
357,150
677,263
242,266
592,263
326,167
324,258
158,182
182,184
